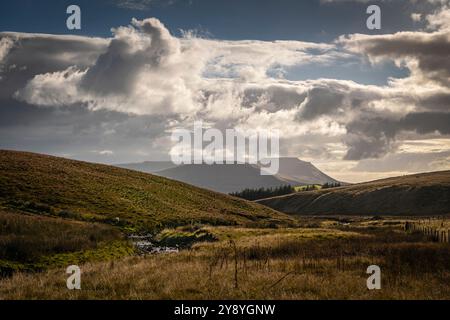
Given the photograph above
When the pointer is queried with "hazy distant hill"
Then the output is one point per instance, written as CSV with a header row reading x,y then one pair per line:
x,y
420,194
78,190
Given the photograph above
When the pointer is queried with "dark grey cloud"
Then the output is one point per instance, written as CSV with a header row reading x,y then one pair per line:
x,y
321,101
71,130
272,98
78,132
430,52
34,54
439,101
375,137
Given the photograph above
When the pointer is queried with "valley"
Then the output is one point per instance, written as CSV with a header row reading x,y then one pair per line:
x,y
141,236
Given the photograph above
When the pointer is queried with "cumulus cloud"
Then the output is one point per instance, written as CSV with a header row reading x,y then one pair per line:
x,y
145,70
147,46
141,71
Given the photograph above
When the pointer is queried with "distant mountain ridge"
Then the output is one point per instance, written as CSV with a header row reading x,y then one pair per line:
x,y
227,178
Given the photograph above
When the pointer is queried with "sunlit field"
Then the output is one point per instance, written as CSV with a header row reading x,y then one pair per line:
x,y
320,259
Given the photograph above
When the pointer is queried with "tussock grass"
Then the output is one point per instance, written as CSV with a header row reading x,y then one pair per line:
x,y
184,236
268,264
26,238
32,243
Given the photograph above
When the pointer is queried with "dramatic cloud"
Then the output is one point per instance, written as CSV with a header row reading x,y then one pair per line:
x,y
146,47
373,137
425,54
425,91
28,55
143,82
145,70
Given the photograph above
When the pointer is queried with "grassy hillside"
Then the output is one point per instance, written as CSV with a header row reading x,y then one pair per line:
x,y
77,190
148,166
420,194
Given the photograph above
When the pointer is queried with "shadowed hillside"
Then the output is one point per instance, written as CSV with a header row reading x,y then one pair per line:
x,y
92,192
224,178
420,194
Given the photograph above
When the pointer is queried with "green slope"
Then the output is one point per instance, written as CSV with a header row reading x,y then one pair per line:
x,y
92,192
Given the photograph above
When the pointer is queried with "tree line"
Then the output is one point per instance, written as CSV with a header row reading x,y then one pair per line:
x,y
262,193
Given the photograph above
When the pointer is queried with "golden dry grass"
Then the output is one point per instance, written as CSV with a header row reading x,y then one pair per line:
x,y
305,263
26,238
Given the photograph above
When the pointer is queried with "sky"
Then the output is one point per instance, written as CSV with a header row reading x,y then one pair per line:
x,y
360,104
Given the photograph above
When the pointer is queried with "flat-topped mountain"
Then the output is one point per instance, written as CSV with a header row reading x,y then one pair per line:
x,y
236,177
